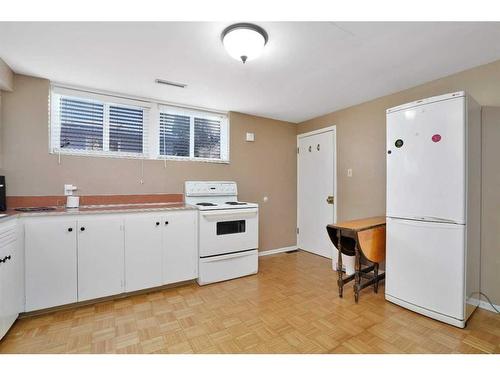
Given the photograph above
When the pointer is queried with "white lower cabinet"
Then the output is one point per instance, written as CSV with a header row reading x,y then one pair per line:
x,y
51,262
160,250
100,257
11,276
78,258
143,252
180,246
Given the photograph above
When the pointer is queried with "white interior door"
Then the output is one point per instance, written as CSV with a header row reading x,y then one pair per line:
x,y
316,182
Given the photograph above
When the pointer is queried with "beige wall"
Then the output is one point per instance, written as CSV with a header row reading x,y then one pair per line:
x,y
266,167
361,146
490,238
6,77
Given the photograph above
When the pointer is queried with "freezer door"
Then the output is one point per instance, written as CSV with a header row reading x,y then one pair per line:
x,y
425,265
426,162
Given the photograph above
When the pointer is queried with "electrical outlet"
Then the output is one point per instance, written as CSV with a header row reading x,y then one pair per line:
x,y
349,172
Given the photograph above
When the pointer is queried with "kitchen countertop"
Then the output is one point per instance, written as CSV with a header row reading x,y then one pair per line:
x,y
102,209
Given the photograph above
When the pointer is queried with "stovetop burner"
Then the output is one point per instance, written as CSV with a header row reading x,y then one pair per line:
x,y
236,203
206,204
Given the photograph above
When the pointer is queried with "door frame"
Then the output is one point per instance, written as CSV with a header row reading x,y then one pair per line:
x,y
332,128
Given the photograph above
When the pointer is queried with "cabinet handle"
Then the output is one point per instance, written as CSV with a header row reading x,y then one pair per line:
x,y
70,229
82,229
166,222
5,259
157,223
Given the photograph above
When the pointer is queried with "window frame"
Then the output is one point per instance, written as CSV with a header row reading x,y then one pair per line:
x,y
151,125
192,113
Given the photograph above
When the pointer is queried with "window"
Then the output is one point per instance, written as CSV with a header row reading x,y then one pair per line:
x,y
82,123
94,124
193,135
174,135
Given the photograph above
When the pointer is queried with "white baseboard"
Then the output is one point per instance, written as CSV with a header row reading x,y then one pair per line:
x,y
485,305
277,251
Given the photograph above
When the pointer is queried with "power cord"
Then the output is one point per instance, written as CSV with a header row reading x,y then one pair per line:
x,y
489,301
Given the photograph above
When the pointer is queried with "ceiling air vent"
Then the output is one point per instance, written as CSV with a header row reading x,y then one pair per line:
x,y
170,83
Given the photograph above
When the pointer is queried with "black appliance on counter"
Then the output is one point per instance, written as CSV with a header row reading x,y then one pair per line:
x,y
3,189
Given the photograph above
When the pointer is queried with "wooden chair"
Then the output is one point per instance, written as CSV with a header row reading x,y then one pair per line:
x,y
365,240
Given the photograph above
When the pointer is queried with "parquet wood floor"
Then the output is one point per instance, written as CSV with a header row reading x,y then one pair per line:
x,y
291,306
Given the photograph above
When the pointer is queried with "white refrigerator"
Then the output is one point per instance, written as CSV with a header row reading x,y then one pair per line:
x,y
434,206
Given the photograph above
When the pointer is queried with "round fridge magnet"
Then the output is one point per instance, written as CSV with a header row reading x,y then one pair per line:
x,y
436,138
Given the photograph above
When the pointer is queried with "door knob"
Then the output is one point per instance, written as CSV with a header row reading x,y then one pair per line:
x,y
330,199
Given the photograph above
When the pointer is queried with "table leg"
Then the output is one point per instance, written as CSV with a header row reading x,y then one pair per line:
x,y
357,278
375,274
340,281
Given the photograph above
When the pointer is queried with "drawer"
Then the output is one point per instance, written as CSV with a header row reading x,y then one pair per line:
x,y
228,266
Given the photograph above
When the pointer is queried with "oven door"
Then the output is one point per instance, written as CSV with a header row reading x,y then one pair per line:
x,y
228,231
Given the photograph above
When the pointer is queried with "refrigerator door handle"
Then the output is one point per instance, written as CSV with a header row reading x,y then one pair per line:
x,y
429,219
421,223
439,219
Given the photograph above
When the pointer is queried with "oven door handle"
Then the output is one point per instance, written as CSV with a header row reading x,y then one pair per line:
x,y
226,256
230,214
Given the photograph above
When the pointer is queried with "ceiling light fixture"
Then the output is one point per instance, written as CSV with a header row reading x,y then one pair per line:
x,y
244,41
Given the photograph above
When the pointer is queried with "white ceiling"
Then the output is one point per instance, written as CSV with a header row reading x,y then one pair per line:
x,y
307,69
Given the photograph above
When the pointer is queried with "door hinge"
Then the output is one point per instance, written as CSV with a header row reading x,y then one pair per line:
x,y
297,230
298,150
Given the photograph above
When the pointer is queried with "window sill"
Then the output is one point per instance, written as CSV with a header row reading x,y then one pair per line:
x,y
124,155
202,160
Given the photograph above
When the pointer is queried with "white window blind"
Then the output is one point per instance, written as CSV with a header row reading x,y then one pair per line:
x,y
126,129
193,135
89,123
207,138
93,124
174,134
81,124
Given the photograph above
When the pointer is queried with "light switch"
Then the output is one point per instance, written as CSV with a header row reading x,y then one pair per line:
x,y
349,172
250,137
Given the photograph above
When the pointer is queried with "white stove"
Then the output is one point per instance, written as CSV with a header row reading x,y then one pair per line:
x,y
228,231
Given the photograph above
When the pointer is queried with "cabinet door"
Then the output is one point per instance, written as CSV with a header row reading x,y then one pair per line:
x,y
100,257
51,262
143,251
9,286
180,246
